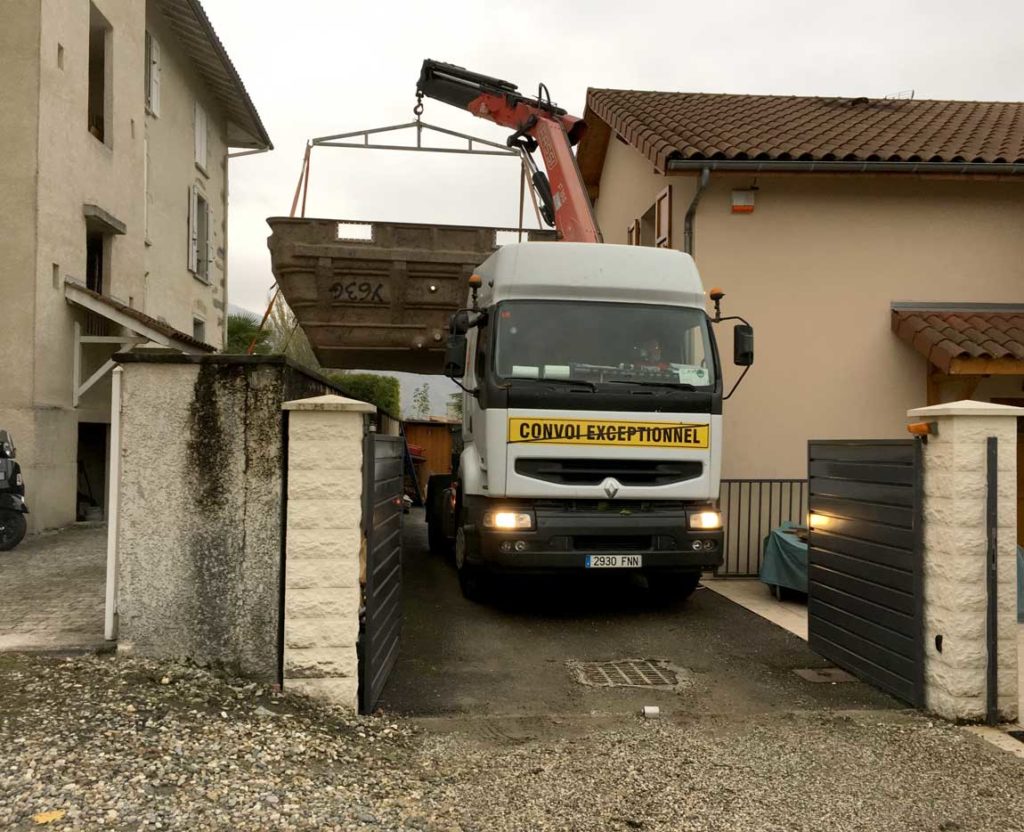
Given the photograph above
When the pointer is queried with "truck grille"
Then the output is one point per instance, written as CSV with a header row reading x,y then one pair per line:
x,y
594,471
611,543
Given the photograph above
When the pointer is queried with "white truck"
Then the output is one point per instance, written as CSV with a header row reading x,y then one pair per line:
x,y
592,418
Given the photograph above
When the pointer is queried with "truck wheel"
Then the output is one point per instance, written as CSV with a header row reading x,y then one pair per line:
x,y
437,496
670,587
12,529
472,580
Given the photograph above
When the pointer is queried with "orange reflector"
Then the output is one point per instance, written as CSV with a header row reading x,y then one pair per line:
x,y
920,428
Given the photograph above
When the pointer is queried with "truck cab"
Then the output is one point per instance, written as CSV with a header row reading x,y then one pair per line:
x,y
592,426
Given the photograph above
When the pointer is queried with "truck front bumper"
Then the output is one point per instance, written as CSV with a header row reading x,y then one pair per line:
x,y
564,537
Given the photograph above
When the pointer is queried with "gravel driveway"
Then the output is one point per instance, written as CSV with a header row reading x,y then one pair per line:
x,y
113,743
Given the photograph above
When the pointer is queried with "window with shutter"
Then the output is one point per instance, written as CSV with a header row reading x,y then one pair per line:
x,y
201,136
193,251
633,234
663,219
152,75
201,236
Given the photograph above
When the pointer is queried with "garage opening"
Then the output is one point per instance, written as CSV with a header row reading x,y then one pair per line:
x,y
93,440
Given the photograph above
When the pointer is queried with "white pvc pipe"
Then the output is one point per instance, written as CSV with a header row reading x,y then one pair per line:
x,y
113,500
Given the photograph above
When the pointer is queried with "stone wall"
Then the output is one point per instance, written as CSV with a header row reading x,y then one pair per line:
x,y
201,502
955,558
323,542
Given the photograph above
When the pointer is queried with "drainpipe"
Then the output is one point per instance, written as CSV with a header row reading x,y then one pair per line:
x,y
113,505
691,212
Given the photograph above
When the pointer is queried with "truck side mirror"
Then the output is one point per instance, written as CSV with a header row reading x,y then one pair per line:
x,y
455,355
743,345
459,324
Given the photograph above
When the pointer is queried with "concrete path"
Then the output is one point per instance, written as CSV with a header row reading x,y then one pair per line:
x,y
52,589
514,657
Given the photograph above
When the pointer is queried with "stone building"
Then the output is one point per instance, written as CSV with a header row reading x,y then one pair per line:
x,y
114,149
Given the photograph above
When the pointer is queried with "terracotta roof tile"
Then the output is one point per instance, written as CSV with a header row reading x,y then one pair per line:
x,y
943,335
698,126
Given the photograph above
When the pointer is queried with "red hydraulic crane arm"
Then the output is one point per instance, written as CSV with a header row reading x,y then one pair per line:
x,y
538,124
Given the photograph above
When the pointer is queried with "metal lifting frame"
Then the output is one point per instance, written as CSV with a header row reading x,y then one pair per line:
x,y
335,140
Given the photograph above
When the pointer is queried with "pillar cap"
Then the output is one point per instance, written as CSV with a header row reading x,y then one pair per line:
x,y
331,403
966,408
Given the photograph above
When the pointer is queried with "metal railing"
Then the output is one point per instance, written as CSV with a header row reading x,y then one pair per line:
x,y
751,509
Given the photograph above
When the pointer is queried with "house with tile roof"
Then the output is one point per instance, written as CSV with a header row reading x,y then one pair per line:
x,y
875,245
119,119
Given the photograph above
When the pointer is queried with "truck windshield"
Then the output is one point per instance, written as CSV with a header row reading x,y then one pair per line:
x,y
604,342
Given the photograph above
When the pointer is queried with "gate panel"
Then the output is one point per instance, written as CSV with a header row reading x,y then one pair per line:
x,y
382,524
864,561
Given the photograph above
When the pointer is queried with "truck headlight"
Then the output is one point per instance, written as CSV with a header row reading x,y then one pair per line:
x,y
705,520
508,521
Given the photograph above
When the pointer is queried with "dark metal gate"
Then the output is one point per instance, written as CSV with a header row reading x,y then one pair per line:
x,y
864,561
381,622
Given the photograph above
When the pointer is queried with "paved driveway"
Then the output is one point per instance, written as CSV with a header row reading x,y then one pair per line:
x,y
517,656
53,588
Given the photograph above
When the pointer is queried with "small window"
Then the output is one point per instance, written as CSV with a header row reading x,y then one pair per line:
x,y
200,249
95,261
202,128
100,85
152,80
199,329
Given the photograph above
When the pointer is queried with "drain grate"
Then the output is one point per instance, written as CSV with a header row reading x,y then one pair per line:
x,y
825,675
626,673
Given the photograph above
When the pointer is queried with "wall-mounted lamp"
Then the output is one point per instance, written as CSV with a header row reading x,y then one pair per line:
x,y
818,521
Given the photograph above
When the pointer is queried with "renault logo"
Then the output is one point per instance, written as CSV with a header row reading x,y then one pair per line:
x,y
611,487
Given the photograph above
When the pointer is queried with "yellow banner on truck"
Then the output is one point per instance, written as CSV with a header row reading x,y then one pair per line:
x,y
601,432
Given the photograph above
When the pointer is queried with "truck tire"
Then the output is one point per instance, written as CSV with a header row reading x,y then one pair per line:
x,y
671,587
439,542
472,579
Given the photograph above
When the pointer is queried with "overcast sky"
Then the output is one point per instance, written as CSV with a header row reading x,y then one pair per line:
x,y
318,67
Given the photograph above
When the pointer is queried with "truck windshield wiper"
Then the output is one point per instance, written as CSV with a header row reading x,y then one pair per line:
x,y
588,384
671,385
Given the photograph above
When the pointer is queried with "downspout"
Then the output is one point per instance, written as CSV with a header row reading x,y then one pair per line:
x,y
691,212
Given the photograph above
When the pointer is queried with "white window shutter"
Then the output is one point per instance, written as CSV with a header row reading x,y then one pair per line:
x,y
193,229
201,129
154,76
209,242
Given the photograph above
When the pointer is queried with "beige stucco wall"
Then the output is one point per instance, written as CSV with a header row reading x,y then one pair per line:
x,y
50,166
19,40
172,292
814,269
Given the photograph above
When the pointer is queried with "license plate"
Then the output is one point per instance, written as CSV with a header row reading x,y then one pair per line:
x,y
614,561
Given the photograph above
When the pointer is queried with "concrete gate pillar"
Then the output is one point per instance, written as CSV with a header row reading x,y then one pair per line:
x,y
956,557
322,592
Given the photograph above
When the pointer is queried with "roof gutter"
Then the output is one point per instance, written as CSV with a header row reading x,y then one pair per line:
x,y
785,166
691,212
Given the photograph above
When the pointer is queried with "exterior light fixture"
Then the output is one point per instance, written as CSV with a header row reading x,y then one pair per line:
x,y
818,521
